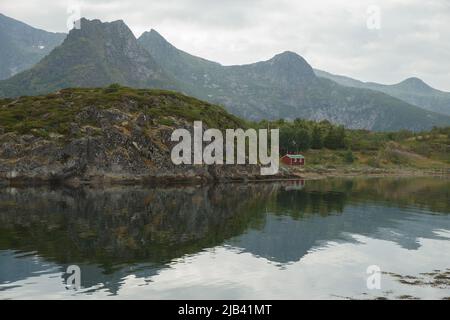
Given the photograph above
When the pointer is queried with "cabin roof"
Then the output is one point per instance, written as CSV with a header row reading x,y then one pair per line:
x,y
295,156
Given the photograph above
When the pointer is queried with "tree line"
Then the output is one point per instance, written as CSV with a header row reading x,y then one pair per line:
x,y
302,135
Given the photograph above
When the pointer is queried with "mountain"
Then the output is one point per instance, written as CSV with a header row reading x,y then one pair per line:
x,y
22,46
187,68
412,90
95,55
286,87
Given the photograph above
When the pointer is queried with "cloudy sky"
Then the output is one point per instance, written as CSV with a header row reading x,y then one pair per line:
x,y
372,40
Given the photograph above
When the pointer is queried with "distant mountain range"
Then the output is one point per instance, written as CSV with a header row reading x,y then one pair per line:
x,y
285,86
411,90
22,46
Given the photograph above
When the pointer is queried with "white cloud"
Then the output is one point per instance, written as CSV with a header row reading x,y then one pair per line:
x,y
331,34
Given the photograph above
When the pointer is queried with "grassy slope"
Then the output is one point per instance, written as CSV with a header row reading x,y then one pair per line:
x,y
427,152
53,113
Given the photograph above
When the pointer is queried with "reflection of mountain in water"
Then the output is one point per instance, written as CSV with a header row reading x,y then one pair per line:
x,y
112,233
15,267
285,240
386,209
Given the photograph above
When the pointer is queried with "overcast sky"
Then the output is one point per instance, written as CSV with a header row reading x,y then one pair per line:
x,y
372,40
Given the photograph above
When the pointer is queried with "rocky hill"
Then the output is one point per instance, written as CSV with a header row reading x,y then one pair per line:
x,y
114,134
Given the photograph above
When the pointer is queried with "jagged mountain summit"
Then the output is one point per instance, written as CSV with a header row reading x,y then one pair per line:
x,y
97,54
286,87
22,46
412,90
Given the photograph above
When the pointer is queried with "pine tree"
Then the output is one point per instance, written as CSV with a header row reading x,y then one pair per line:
x,y
316,138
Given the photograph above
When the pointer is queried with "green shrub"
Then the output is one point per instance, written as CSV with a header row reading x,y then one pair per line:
x,y
349,156
167,122
112,88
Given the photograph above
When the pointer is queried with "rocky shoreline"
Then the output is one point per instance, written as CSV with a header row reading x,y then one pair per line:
x,y
114,155
204,175
313,174
160,180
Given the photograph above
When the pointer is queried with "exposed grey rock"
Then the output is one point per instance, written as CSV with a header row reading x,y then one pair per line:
x,y
142,120
109,155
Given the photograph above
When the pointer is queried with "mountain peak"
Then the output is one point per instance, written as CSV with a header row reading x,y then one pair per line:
x,y
155,33
89,28
95,55
414,83
288,56
288,53
292,66
87,21
154,37
158,46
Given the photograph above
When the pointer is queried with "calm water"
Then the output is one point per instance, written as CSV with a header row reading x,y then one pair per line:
x,y
258,241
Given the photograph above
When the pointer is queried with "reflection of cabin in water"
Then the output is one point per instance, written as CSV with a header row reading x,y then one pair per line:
x,y
294,185
293,159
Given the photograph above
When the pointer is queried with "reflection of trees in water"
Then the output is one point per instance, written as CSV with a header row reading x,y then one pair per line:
x,y
331,196
157,225
301,203
425,193
127,223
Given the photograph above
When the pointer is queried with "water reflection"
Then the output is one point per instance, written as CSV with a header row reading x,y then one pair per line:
x,y
116,233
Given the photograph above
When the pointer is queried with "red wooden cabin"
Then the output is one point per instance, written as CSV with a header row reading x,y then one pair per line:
x,y
293,159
